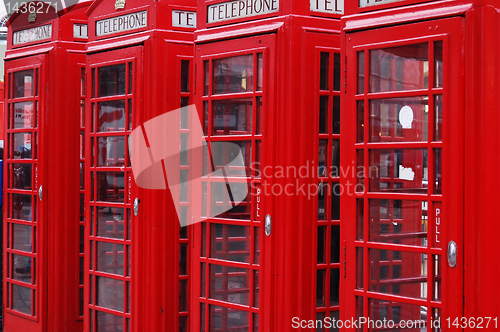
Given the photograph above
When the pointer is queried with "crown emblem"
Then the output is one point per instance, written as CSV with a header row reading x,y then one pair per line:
x,y
120,4
32,17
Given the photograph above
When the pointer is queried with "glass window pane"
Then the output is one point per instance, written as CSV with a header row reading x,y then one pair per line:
x,y
111,116
231,200
335,244
324,71
381,310
22,207
21,176
401,273
206,69
109,293
399,119
334,287
110,186
336,116
232,117
323,114
233,75
22,146
322,159
320,288
21,299
321,259
399,68
335,166
23,84
111,151
361,121
438,171
23,115
110,257
230,284
260,72
335,200
234,157
110,222
22,268
322,194
107,322
21,237
398,222
184,75
336,72
403,171
438,64
361,72
230,242
112,80
438,118
226,319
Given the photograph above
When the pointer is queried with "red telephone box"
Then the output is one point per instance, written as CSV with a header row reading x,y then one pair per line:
x,y
139,65
268,81
43,230
417,247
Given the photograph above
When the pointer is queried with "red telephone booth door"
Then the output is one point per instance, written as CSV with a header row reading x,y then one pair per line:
x,y
404,113
114,95
25,265
232,246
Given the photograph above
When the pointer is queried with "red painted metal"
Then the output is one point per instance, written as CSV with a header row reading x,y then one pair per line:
x,y
154,292
43,279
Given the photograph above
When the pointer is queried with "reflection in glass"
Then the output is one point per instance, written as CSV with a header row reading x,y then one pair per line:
x,y
21,176
23,84
111,116
110,222
22,146
109,293
21,207
21,299
360,121
112,80
110,257
108,322
110,186
223,206
403,170
399,68
399,119
22,268
230,284
111,151
225,152
438,171
438,64
401,273
438,118
361,72
260,72
233,75
324,71
23,115
230,242
232,117
380,310
398,222
21,237
226,319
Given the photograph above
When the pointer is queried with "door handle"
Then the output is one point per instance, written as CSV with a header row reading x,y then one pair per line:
x,y
137,201
40,193
452,254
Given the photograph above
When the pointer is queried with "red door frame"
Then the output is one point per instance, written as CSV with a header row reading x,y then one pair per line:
x,y
36,320
260,205
451,32
131,232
